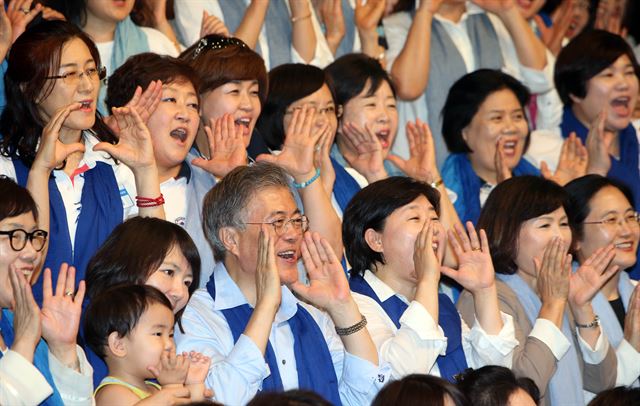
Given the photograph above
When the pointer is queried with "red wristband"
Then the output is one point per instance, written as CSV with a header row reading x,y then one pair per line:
x,y
149,202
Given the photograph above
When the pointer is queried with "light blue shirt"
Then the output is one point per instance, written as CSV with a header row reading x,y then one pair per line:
x,y
237,370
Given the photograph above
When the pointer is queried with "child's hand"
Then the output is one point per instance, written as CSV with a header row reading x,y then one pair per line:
x,y
172,369
168,396
198,368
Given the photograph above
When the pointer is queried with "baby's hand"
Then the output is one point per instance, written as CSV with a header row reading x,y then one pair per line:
x,y
198,368
172,369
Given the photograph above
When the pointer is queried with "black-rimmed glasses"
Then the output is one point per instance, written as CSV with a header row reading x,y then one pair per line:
x,y
18,239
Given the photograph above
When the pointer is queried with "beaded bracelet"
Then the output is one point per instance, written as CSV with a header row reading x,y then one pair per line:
x,y
594,323
308,182
352,329
149,202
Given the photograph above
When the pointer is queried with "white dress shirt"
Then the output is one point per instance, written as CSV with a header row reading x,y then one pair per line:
x,y
237,370
189,19
415,346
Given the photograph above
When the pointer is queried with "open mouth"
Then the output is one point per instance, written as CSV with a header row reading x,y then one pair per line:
x,y
383,137
179,134
289,255
627,245
621,106
243,121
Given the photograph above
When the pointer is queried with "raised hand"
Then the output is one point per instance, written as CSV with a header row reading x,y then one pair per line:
x,y
299,145
328,288
226,146
598,143
553,272
573,162
632,320
496,7
198,368
21,14
591,276
367,15
322,160
554,35
421,164
26,315
475,269
267,278
6,37
212,25
52,152
172,369
145,103
503,172
134,147
425,260
330,13
432,6
60,314
364,152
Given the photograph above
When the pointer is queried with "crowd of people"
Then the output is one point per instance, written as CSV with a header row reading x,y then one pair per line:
x,y
319,202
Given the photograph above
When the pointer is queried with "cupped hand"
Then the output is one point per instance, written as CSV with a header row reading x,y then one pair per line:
x,y
553,272
26,315
503,172
172,369
421,164
322,159
475,268
591,276
426,261
268,289
52,152
328,286
226,145
573,162
21,14
599,140
368,14
212,25
363,152
145,103
301,138
333,19
134,147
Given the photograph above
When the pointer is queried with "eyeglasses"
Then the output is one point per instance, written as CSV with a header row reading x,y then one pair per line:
x,y
631,219
73,77
18,239
300,224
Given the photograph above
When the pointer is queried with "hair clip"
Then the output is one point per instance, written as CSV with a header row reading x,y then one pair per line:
x,y
217,42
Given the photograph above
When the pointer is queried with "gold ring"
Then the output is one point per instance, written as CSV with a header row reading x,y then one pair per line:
x,y
25,10
476,249
68,293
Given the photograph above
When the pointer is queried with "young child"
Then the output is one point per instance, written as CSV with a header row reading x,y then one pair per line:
x,y
131,328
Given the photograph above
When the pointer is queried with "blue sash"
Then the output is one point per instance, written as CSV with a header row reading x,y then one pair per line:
x,y
344,187
313,359
454,361
459,176
565,386
40,357
101,212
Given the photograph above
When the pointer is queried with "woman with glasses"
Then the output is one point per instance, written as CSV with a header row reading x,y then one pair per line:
x,y
55,142
601,214
40,362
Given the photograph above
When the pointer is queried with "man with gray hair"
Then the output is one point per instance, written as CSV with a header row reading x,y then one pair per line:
x,y
258,335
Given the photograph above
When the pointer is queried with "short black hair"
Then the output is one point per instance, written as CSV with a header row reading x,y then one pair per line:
x,y
287,83
580,192
142,69
584,57
370,208
350,73
15,200
465,98
418,389
492,385
620,396
508,206
118,309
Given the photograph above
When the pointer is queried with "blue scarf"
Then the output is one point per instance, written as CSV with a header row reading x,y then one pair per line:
x,y
101,213
454,361
459,176
565,386
624,170
277,26
344,187
313,359
40,357
128,40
